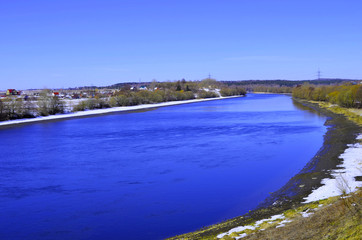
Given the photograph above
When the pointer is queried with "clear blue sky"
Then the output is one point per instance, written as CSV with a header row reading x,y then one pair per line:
x,y
67,43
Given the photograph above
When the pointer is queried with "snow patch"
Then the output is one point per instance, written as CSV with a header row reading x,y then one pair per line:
x,y
237,229
343,181
257,223
282,223
307,214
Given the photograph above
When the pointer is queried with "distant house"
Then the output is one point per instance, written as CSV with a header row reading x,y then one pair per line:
x,y
55,94
143,88
12,92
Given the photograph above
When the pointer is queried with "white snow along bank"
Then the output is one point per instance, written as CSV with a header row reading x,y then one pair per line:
x,y
343,181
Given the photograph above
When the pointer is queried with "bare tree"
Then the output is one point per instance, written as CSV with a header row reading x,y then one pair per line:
x,y
48,104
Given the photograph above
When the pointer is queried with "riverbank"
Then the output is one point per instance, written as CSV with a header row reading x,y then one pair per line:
x,y
341,133
337,218
338,200
104,111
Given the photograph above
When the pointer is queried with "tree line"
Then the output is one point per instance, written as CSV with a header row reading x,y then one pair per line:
x,y
346,95
268,88
46,104
17,108
280,86
162,92
287,83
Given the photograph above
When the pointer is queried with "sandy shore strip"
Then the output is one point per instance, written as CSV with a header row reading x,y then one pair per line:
x,y
105,111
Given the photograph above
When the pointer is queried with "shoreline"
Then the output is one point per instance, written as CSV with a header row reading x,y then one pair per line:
x,y
341,134
343,185
104,111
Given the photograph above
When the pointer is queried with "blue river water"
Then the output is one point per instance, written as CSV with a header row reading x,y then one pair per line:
x,y
151,174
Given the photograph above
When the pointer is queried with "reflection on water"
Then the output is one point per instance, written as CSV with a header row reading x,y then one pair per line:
x,y
306,109
151,174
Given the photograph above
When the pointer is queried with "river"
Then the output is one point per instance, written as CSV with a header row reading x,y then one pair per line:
x,y
151,174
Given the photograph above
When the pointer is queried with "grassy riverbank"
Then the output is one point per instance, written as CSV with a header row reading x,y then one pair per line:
x,y
353,114
333,218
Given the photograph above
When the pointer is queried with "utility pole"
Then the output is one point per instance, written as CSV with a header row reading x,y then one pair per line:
x,y
319,74
209,76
